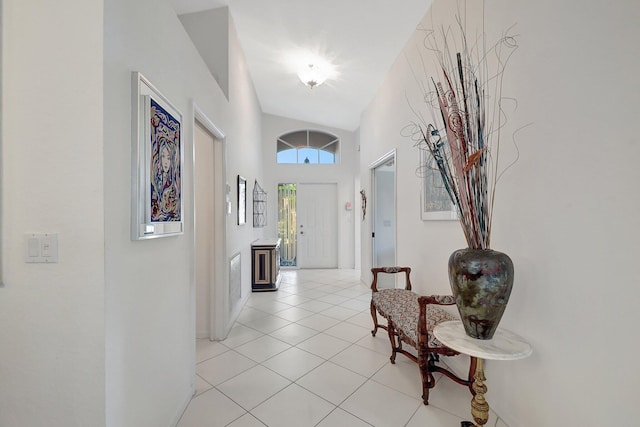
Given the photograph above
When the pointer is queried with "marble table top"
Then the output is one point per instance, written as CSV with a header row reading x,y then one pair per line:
x,y
504,345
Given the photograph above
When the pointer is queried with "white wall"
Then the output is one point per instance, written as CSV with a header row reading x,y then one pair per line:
x,y
565,213
343,174
209,31
150,290
244,157
52,315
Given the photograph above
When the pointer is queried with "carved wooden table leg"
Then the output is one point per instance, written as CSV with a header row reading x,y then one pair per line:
x,y
479,406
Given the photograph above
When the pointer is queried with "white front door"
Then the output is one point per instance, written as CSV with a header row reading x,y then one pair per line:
x,y
317,223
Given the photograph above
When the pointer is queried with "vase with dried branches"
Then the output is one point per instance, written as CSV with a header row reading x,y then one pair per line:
x,y
462,138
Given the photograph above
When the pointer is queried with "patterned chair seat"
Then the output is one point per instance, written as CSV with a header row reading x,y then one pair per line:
x,y
386,300
404,313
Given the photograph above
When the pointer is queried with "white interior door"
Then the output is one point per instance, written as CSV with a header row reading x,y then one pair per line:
x,y
211,265
204,189
317,223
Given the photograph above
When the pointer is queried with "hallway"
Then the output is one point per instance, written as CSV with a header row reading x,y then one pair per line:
x,y
304,356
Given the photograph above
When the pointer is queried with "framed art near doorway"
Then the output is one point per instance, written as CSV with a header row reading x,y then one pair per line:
x,y
157,162
242,200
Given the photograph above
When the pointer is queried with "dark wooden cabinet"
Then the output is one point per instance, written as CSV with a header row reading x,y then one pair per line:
x,y
265,265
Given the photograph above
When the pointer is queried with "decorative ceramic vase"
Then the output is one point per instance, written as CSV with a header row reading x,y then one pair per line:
x,y
481,281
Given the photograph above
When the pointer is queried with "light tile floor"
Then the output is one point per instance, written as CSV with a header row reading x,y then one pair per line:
x,y
304,356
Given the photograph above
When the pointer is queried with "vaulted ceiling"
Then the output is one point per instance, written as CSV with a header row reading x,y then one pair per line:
x,y
360,38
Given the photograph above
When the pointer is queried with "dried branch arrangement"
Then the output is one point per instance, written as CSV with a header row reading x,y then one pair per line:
x,y
463,133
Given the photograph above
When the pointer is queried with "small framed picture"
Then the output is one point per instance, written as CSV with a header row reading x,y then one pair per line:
x,y
242,200
157,162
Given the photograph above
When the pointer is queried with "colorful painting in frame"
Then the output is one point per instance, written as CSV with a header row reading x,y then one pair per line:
x,y
157,161
165,165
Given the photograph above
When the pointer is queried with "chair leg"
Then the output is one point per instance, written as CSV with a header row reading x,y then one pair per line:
x,y
392,339
374,316
424,363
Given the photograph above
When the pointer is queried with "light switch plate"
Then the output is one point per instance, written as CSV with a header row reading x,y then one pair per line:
x,y
41,248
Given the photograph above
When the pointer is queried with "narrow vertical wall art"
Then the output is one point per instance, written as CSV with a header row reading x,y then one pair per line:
x,y
242,200
157,161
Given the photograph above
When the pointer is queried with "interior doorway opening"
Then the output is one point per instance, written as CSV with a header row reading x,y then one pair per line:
x,y
383,236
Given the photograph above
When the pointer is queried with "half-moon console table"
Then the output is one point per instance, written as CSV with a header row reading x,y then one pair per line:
x,y
504,345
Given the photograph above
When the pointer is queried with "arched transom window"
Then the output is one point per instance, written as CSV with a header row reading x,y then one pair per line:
x,y
307,146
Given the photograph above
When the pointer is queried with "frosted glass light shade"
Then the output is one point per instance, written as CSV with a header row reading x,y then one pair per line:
x,y
312,75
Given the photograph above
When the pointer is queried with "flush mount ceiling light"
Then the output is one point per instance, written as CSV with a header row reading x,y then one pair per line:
x,y
312,75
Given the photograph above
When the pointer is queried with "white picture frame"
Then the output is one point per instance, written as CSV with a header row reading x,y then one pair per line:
x,y
157,159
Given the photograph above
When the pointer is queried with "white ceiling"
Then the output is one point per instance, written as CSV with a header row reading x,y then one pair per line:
x,y
361,38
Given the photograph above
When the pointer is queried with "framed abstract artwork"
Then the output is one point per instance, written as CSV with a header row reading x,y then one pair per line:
x,y
435,203
242,200
157,163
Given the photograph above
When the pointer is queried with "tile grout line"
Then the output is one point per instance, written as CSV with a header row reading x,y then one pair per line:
x,y
325,360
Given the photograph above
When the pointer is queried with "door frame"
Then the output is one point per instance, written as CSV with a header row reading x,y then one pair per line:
x,y
372,168
219,292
